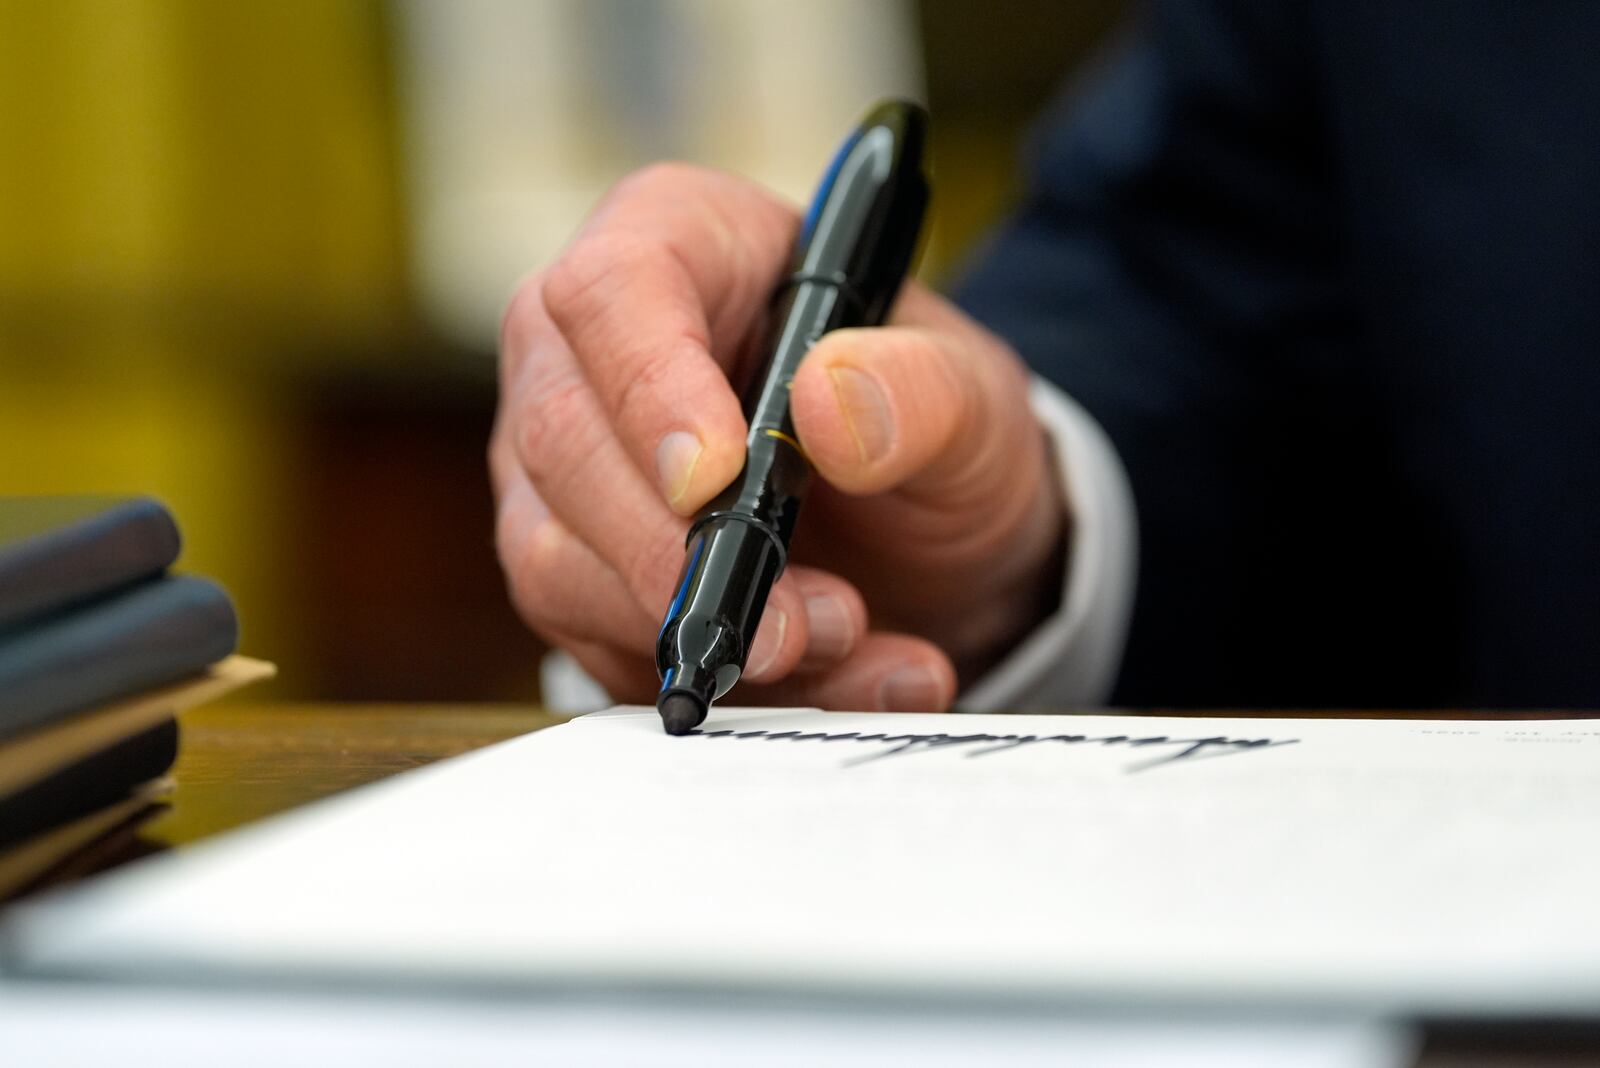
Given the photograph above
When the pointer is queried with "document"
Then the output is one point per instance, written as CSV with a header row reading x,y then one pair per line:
x,y
89,1025
1375,866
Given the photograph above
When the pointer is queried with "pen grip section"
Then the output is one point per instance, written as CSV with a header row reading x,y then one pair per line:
x,y
730,568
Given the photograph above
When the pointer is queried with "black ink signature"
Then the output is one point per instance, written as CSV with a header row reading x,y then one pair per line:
x,y
1171,750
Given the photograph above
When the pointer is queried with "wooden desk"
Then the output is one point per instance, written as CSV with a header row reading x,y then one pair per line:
x,y
241,762
238,763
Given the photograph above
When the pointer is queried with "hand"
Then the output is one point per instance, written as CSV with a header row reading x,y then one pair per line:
x,y
928,546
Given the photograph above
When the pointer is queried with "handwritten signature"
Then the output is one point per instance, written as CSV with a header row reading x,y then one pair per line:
x,y
1171,750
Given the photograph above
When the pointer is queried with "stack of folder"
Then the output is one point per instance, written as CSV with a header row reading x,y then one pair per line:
x,y
100,647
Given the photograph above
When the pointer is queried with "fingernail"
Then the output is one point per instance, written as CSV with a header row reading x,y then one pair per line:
x,y
865,410
769,639
831,631
676,456
911,689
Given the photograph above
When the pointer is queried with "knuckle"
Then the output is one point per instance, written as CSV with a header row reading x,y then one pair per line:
x,y
497,455
547,431
531,557
650,569
639,392
524,312
661,178
581,283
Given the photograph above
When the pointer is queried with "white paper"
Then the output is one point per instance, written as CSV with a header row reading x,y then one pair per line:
x,y
64,1025
1376,865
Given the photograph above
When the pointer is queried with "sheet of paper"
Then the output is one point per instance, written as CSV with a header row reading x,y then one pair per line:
x,y
62,1025
1386,865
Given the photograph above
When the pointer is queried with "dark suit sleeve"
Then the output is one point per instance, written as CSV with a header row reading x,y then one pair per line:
x,y
1174,268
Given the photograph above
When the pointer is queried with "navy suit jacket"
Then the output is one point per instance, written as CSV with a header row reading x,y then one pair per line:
x,y
1326,272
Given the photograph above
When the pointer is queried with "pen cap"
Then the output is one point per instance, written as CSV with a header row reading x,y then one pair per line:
x,y
711,624
861,229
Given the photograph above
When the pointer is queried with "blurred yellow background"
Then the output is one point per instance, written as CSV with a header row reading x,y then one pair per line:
x,y
239,270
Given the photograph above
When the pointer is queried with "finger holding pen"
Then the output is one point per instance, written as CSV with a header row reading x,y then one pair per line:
x,y
933,464
655,297
572,458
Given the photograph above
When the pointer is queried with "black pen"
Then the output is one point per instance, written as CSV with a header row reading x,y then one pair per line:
x,y
857,243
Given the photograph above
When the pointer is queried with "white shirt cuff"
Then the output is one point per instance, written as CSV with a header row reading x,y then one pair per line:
x,y
1071,659
568,690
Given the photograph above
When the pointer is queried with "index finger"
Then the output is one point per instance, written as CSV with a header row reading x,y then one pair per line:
x,y
655,297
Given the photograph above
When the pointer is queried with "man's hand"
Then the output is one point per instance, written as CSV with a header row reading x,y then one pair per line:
x,y
929,545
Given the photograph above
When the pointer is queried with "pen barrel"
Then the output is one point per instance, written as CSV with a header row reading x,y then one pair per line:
x,y
730,568
738,546
855,246
776,472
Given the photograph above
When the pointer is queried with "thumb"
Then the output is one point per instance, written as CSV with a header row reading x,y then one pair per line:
x,y
936,411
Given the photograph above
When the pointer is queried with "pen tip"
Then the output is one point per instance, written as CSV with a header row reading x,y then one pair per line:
x,y
680,712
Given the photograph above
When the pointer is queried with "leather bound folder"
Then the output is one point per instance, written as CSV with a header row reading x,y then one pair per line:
x,y
95,781
64,786
27,758
155,632
25,864
56,551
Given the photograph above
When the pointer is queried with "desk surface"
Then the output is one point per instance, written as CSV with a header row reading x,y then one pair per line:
x,y
242,762
239,763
